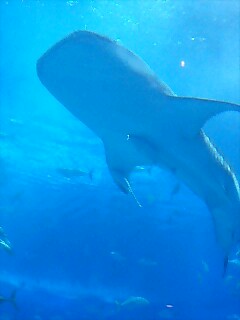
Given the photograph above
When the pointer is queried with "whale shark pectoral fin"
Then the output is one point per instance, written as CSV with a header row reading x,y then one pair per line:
x,y
120,169
122,182
124,154
195,112
118,162
121,179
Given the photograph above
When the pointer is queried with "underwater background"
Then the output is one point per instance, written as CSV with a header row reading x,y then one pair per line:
x,y
79,249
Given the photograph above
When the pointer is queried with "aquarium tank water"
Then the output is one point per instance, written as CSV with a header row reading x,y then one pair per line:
x,y
119,160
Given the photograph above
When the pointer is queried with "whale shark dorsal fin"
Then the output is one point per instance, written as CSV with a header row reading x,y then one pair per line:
x,y
195,112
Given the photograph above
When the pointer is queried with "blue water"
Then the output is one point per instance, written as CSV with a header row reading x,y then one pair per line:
x,y
79,244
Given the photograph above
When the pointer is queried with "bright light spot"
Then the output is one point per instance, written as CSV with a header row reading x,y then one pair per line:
x,y
169,305
182,63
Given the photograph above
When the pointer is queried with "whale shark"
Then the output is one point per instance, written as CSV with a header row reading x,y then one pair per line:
x,y
142,122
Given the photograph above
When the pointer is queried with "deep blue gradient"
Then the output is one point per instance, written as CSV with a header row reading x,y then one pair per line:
x,y
79,244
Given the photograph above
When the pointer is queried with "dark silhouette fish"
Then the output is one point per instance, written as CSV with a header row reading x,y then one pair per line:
x,y
74,173
11,299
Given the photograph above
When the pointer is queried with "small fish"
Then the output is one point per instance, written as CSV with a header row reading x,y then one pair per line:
x,y
132,303
3,135
176,189
117,256
229,279
11,299
233,317
147,262
225,265
72,173
6,245
200,277
205,266
235,262
2,233
238,286
146,169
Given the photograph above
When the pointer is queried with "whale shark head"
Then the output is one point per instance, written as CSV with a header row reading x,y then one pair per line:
x,y
86,71
142,122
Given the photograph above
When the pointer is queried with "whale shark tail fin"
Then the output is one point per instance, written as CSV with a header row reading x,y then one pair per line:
x,y
227,228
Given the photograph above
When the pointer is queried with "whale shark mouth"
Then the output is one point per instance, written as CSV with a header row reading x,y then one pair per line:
x,y
142,122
